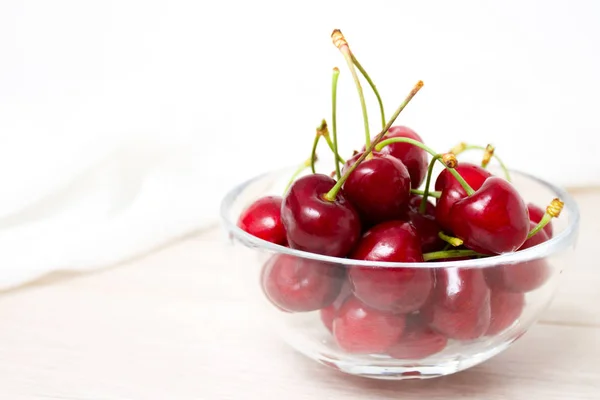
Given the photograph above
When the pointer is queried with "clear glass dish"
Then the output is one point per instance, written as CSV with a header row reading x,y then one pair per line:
x,y
511,310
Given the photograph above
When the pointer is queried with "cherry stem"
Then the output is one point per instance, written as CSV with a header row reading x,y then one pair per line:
x,y
334,81
299,170
423,205
373,87
462,147
436,255
487,155
455,174
313,154
324,131
454,241
552,211
340,42
331,195
436,195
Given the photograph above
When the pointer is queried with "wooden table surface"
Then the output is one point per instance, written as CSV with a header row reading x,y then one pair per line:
x,y
175,324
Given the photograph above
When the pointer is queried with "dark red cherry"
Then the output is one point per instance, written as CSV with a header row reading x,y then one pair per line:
x,y
473,174
328,313
413,157
521,277
418,341
397,289
379,188
315,224
536,214
506,308
297,284
263,220
494,220
444,204
460,305
426,225
358,328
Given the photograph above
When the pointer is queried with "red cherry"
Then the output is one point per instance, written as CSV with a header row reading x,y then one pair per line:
x,y
397,289
506,308
378,188
426,225
521,277
328,313
460,306
358,328
413,157
473,174
536,214
315,224
298,284
444,204
494,220
418,341
263,220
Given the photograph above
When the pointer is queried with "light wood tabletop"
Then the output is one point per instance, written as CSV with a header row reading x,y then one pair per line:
x,y
176,324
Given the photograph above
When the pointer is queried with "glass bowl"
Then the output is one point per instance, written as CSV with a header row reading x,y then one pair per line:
x,y
468,310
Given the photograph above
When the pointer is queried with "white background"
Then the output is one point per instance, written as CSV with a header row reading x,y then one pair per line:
x,y
179,100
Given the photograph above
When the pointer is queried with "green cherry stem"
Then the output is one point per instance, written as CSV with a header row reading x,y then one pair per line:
x,y
454,241
552,211
334,81
462,147
331,195
313,153
456,175
373,87
324,131
298,171
419,192
423,205
340,42
436,255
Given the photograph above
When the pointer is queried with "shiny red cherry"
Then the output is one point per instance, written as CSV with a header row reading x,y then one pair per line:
x,y
444,204
315,224
413,157
418,341
426,225
358,328
297,284
400,290
536,214
494,220
379,188
521,277
460,305
506,308
328,313
263,220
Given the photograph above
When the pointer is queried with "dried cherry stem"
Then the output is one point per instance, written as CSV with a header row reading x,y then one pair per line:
x,y
462,147
340,42
552,211
468,189
454,241
334,81
436,255
487,155
331,195
373,87
436,195
301,167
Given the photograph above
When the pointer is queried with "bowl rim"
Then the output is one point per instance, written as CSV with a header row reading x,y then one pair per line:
x,y
557,243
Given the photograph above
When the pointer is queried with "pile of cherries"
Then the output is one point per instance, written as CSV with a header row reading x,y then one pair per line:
x,y
371,209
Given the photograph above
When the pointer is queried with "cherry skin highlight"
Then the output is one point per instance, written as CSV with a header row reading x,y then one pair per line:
x,y
263,220
379,188
494,220
536,214
358,328
315,224
400,290
521,277
297,284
